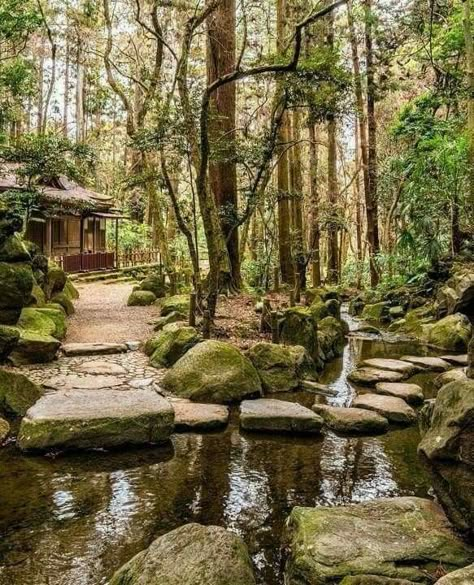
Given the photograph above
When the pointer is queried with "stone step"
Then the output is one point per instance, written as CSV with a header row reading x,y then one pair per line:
x,y
91,349
434,364
278,416
192,416
354,421
393,409
100,419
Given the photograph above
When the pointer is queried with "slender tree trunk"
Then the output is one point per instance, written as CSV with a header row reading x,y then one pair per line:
x,y
223,172
40,97
468,39
314,197
66,86
79,94
371,197
297,194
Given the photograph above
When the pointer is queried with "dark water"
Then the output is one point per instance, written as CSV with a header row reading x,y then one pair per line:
x,y
73,520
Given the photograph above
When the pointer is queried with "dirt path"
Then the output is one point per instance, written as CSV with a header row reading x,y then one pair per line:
x,y
102,315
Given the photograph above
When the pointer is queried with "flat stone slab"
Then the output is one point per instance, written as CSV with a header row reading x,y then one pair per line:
x,y
399,538
371,376
391,365
79,349
434,364
192,416
456,360
394,409
85,382
357,421
411,393
278,416
105,418
140,382
101,368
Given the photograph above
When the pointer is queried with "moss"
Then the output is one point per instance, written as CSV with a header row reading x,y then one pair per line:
x,y
299,328
9,337
13,249
38,298
56,280
176,303
16,284
65,302
141,298
452,333
4,429
154,283
70,290
318,310
213,371
58,316
34,348
331,338
376,312
33,320
17,393
275,365
169,346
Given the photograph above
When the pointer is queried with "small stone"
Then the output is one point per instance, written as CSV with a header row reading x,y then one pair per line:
x,y
272,415
394,409
352,420
373,375
140,382
101,367
428,363
411,393
83,349
192,416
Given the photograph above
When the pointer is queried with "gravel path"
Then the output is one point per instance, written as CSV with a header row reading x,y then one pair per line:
x,y
102,315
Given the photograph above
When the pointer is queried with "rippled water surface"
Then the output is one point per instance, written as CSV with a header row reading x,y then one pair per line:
x,y
73,520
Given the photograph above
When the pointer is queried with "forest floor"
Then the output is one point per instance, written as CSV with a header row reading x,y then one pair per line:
x,y
102,315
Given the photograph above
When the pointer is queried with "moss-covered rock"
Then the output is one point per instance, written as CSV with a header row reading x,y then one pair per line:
x,y
45,321
177,303
34,348
9,337
356,306
331,338
55,281
70,290
65,302
298,327
276,366
398,538
396,312
154,283
17,393
304,364
4,429
171,344
458,293
452,333
141,298
321,293
190,555
38,298
376,312
213,371
333,307
318,310
464,576
16,284
13,249
470,359
417,319
172,317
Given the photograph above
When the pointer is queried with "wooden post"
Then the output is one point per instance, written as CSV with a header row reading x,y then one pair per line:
x,y
275,331
292,298
265,320
172,277
297,287
117,265
192,309
276,279
206,325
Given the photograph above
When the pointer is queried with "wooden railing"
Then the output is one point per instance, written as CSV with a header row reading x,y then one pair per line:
x,y
86,262
138,257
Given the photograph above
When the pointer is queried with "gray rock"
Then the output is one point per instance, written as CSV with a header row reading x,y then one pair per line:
x,y
394,409
434,364
84,382
278,416
370,376
190,555
398,538
105,418
101,368
191,416
84,349
391,365
457,375
352,420
275,365
463,576
411,393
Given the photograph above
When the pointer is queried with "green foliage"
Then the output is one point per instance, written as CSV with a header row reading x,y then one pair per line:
x,y
18,19
132,236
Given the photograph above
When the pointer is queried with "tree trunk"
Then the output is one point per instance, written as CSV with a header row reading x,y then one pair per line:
x,y
297,197
79,94
223,171
66,86
371,196
40,97
468,34
314,196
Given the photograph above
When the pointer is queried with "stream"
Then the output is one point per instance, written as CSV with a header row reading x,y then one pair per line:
x,y
76,518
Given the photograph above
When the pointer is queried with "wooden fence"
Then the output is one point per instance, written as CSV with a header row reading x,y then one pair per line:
x,y
86,262
138,257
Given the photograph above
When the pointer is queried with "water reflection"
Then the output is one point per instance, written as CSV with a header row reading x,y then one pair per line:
x,y
75,519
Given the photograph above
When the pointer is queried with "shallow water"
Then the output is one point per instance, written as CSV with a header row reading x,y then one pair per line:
x,y
75,519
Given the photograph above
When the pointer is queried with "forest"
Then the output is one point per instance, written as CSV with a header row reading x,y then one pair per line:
x,y
236,292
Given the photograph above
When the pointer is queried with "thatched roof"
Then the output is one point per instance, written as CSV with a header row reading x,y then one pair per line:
x,y
58,191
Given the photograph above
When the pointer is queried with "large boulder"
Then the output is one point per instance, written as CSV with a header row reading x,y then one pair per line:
x,y
17,393
452,333
9,337
55,281
70,290
141,298
331,338
16,284
446,449
458,294
376,313
154,283
395,538
298,327
190,555
66,303
34,348
177,303
13,249
213,371
106,418
275,365
43,321
169,346
463,576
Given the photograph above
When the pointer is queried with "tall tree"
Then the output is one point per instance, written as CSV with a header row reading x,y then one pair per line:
x,y
468,40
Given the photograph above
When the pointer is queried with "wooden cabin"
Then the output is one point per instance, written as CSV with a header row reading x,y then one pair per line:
x,y
70,222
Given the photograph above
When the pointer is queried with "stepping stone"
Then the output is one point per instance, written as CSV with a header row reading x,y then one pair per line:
x,y
101,367
411,393
105,418
394,409
405,538
352,420
79,349
267,414
456,360
428,363
86,382
371,376
391,365
192,416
